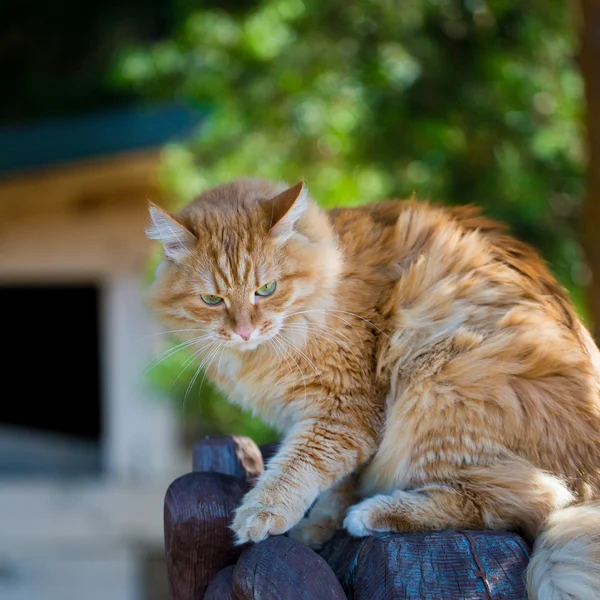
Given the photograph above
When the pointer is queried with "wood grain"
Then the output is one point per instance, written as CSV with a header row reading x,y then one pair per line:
x,y
198,542
221,587
447,565
282,569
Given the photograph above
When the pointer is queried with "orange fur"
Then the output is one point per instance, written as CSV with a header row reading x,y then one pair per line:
x,y
417,350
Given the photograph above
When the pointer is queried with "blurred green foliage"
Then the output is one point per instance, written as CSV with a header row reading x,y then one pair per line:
x,y
454,100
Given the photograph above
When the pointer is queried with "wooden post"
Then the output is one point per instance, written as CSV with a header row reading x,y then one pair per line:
x,y
589,60
203,563
430,565
283,568
199,508
232,455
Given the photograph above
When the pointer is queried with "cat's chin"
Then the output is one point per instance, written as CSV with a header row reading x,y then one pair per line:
x,y
246,346
249,346
254,344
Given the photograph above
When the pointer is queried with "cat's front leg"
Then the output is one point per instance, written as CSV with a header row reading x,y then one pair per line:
x,y
316,455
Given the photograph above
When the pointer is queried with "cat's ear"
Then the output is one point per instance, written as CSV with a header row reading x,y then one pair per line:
x,y
287,208
175,238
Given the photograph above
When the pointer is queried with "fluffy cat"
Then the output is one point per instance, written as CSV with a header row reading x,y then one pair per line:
x,y
426,369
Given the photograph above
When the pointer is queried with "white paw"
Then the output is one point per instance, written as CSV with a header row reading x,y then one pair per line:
x,y
255,522
261,514
359,518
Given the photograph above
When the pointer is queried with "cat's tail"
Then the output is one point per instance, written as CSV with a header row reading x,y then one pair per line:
x,y
566,556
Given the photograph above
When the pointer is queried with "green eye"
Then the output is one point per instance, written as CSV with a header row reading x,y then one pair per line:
x,y
267,289
211,300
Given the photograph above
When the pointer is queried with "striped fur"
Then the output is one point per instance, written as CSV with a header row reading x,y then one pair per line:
x,y
425,367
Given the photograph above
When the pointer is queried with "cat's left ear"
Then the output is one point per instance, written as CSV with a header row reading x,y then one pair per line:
x,y
287,208
164,227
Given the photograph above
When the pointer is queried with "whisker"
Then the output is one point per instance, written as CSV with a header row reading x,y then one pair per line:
x,y
196,374
345,312
173,331
219,363
190,385
275,350
323,312
284,353
194,355
333,329
318,324
304,356
211,360
282,345
327,337
173,350
311,327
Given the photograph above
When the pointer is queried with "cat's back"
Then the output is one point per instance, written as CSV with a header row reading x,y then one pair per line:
x,y
434,272
432,246
469,311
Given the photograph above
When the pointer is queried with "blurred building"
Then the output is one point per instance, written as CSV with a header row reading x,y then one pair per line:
x,y
87,450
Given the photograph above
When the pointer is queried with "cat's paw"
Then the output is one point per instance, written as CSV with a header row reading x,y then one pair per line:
x,y
255,522
261,514
362,518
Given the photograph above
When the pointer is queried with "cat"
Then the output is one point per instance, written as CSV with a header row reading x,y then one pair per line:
x,y
426,369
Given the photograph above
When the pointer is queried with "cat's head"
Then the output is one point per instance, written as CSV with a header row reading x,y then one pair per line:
x,y
241,261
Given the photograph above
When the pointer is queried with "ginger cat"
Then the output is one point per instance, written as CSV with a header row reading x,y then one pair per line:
x,y
426,369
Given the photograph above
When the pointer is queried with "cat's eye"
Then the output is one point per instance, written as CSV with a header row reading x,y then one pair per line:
x,y
267,289
211,300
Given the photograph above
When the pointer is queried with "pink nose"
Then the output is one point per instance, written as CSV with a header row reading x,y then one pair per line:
x,y
245,332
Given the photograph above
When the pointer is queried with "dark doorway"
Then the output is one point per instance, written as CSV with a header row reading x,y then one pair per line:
x,y
52,397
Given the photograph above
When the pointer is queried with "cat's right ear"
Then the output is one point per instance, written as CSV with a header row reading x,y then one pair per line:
x,y
175,238
286,208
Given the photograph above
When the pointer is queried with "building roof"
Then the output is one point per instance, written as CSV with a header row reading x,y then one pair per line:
x,y
50,142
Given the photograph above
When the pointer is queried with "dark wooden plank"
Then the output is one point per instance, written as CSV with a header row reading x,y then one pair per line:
x,y
231,455
447,565
221,587
282,569
198,541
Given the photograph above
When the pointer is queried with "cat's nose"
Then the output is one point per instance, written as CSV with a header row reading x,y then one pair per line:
x,y
244,332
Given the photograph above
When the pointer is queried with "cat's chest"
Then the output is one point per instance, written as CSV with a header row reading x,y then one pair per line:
x,y
257,386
